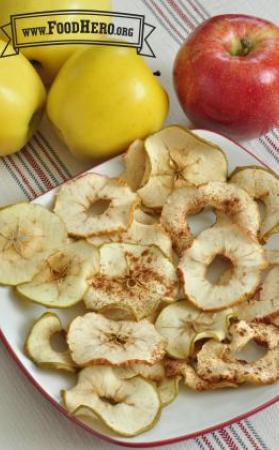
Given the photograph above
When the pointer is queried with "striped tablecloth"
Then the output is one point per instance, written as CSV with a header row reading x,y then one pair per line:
x,y
27,421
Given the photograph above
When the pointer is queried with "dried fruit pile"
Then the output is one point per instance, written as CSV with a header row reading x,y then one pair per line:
x,y
153,316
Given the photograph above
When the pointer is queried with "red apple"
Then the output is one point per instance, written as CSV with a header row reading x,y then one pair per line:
x,y
226,75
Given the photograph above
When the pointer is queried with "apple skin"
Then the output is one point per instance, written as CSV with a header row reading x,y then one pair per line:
x,y
22,100
103,99
48,59
226,76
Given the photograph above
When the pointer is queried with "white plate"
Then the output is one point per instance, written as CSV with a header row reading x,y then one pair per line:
x,y
192,413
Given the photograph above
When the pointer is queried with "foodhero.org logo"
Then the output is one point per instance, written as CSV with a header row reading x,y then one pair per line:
x,y
83,26
78,27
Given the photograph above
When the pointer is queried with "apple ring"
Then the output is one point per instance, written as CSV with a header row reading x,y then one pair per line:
x,y
216,361
263,185
246,255
234,202
126,406
94,205
172,158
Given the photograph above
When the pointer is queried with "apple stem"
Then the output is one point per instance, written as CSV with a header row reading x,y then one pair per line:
x,y
246,46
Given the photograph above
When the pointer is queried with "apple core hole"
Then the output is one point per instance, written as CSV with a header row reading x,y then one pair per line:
x,y
201,221
251,352
58,342
98,207
219,270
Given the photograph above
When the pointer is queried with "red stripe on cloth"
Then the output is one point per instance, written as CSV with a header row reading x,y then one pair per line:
x,y
51,160
197,10
228,439
160,11
35,166
248,436
180,13
22,176
208,443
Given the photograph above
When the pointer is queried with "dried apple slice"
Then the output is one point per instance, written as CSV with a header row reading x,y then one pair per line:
x,y
38,344
266,304
127,407
134,162
246,256
168,390
182,202
230,200
116,311
156,372
136,276
94,205
177,158
192,380
263,185
143,231
62,279
156,190
182,324
95,339
28,234
217,361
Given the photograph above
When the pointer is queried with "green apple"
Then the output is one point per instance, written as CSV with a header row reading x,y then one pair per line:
x,y
22,98
48,59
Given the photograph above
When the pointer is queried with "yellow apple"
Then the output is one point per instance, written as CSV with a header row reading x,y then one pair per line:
x,y
22,98
48,59
104,98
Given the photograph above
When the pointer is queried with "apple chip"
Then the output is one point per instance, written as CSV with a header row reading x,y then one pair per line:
x,y
94,339
136,276
127,407
117,311
28,234
266,304
143,231
38,344
192,380
175,158
62,279
156,190
228,199
263,185
94,205
134,162
245,254
182,324
168,389
217,361
156,372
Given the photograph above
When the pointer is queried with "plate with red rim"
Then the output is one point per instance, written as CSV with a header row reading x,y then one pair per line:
x,y
192,413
